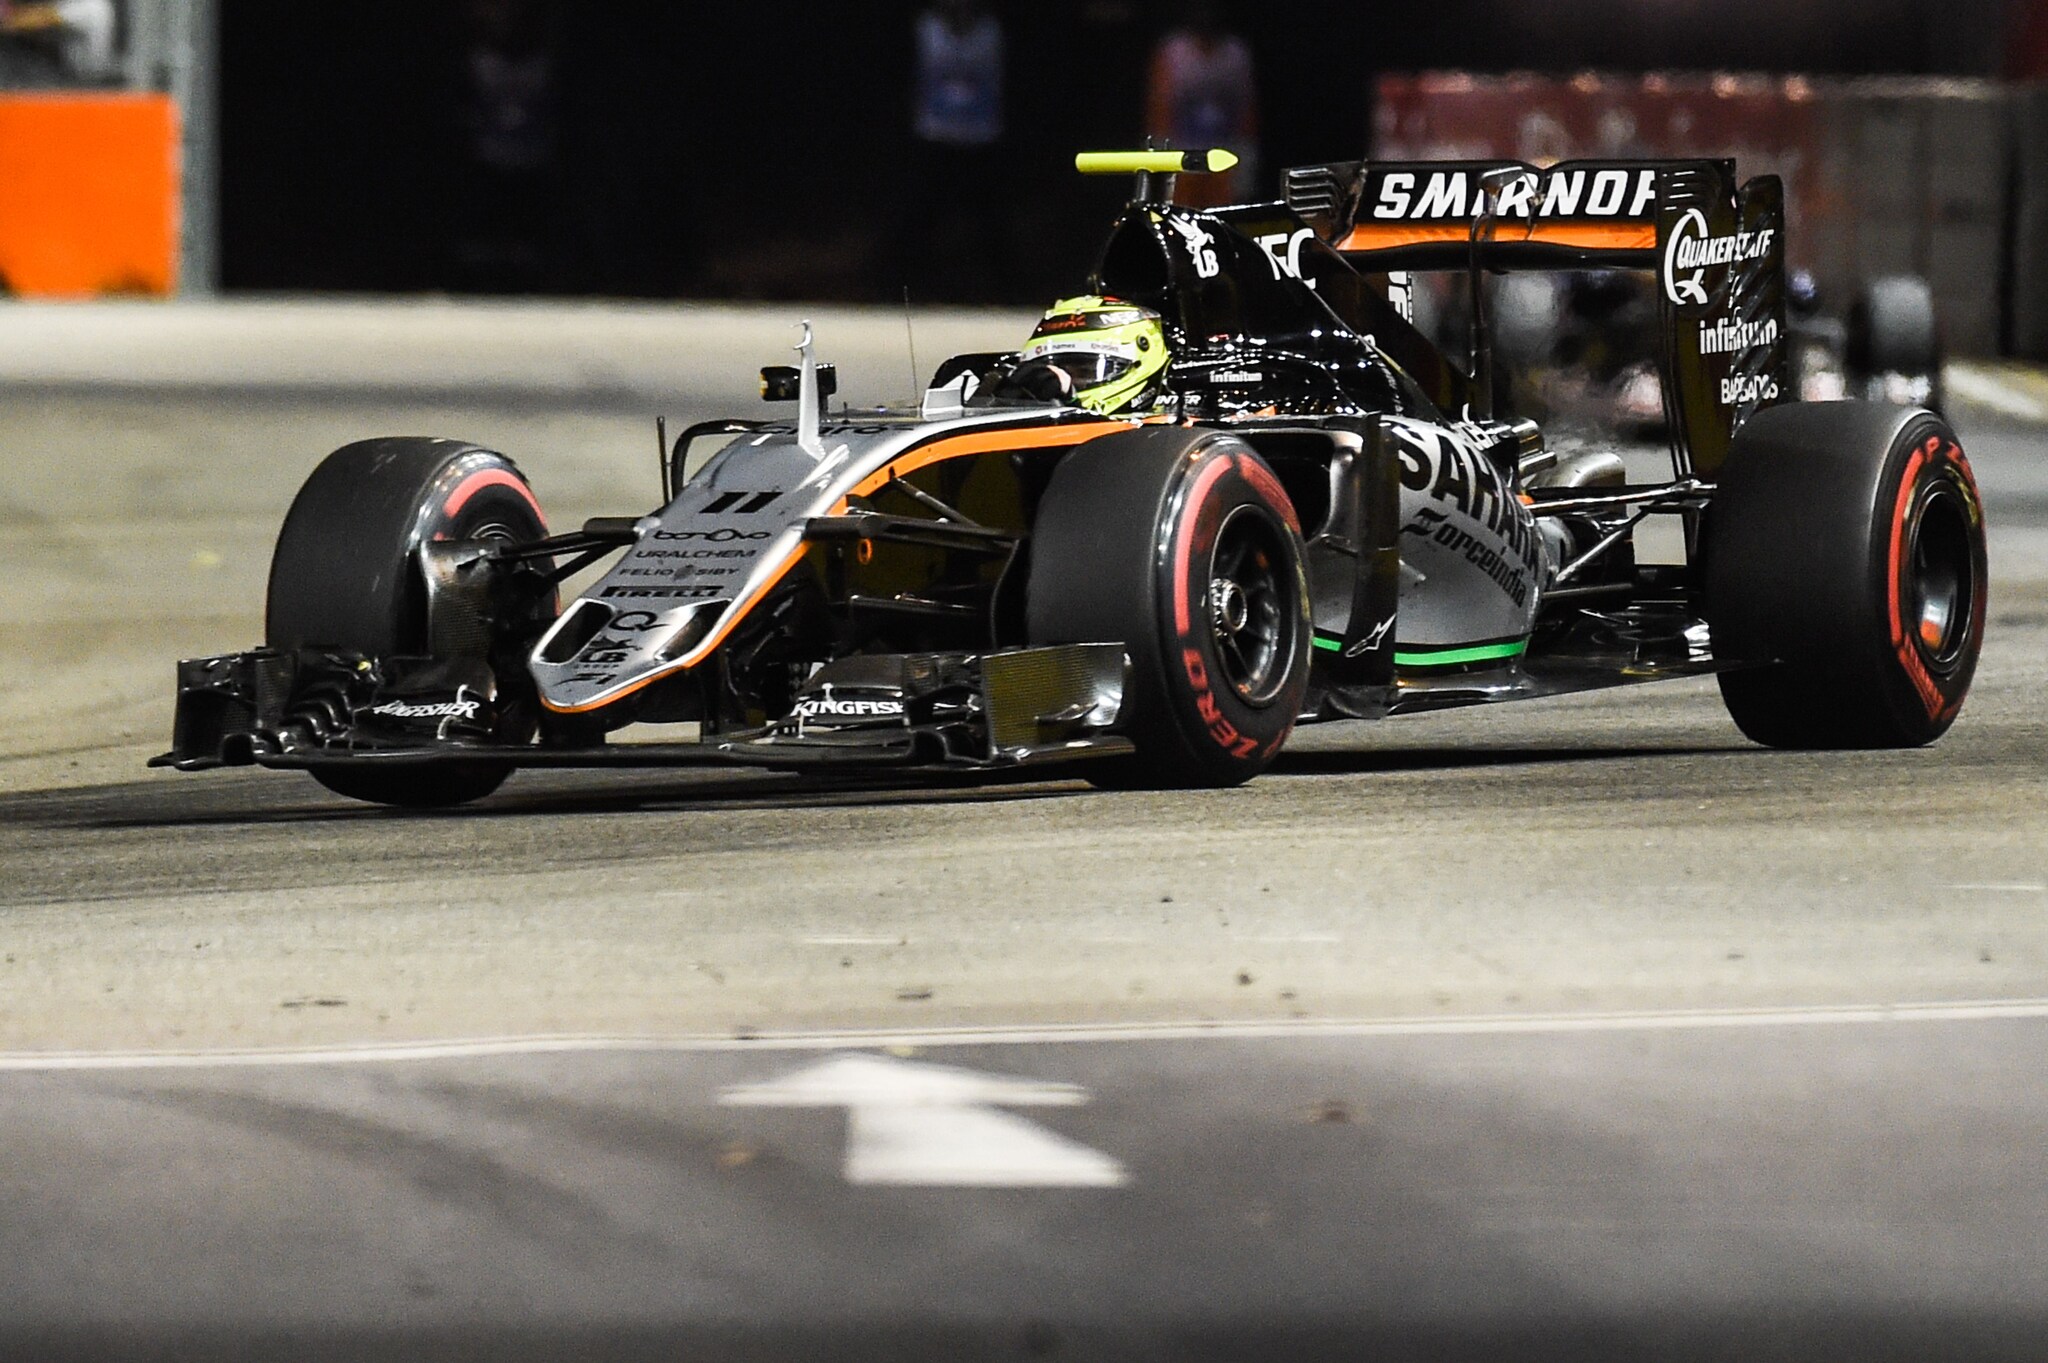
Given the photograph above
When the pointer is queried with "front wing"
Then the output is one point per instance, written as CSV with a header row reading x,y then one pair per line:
x,y
317,709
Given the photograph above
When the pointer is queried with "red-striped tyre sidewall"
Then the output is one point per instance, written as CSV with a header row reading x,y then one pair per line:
x,y
1828,522
1227,737
1935,471
1121,552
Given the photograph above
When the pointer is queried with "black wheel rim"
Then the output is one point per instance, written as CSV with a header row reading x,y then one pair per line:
x,y
1940,591
1252,616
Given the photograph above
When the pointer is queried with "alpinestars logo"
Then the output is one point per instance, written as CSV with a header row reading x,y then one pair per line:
x,y
1691,251
443,709
1372,640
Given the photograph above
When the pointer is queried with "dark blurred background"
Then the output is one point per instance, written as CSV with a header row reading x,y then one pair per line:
x,y
767,151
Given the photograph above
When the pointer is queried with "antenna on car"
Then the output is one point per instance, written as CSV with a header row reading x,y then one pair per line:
x,y
1155,169
910,336
661,439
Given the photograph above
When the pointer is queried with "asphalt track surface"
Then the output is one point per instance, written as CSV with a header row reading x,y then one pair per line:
x,y
1573,1029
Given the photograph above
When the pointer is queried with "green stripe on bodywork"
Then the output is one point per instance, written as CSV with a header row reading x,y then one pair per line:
x,y
1440,657
1446,657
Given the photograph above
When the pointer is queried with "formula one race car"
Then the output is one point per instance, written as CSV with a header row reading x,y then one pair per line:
x,y
1228,489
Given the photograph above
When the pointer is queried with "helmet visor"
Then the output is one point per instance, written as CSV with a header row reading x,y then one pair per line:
x,y
1088,363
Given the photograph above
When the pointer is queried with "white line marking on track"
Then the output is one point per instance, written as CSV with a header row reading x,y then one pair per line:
x,y
2013,888
1279,1029
936,1125
854,941
1987,390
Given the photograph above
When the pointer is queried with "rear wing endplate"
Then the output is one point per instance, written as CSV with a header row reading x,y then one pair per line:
x,y
1717,251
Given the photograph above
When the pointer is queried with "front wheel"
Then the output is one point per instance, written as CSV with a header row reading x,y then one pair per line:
x,y
1181,546
345,575
1845,549
1892,334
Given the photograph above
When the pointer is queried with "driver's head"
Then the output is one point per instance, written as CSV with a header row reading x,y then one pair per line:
x,y
1112,351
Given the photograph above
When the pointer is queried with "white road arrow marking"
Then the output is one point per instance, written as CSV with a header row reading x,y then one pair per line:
x,y
935,1125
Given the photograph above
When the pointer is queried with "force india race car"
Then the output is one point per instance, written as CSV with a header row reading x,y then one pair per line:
x,y
1228,490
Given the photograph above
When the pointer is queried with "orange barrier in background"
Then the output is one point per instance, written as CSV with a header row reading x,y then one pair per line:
x,y
88,194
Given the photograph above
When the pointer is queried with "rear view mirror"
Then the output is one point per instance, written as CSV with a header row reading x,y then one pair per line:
x,y
784,382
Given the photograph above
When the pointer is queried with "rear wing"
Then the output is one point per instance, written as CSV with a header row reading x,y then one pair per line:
x,y
1717,250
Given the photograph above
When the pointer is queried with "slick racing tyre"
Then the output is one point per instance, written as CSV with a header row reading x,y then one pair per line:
x,y
345,575
1182,546
1846,545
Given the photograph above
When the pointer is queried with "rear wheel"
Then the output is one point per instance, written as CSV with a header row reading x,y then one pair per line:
x,y
1181,546
345,575
1846,545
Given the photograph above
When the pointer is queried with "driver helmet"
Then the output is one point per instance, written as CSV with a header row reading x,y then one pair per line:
x,y
1113,352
